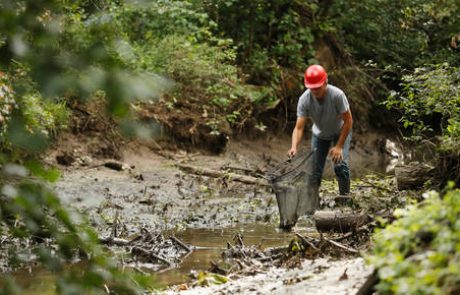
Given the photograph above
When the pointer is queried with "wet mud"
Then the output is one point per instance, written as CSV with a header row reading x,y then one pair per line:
x,y
149,192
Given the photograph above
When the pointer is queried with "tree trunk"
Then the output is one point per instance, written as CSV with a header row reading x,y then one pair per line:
x,y
413,175
339,222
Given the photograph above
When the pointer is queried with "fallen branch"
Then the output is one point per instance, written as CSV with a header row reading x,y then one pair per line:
x,y
368,287
219,174
347,235
180,243
246,171
306,241
337,244
141,251
114,241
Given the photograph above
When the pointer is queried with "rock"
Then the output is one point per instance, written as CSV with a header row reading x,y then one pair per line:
x,y
65,159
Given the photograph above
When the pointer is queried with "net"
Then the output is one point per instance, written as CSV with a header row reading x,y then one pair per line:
x,y
294,195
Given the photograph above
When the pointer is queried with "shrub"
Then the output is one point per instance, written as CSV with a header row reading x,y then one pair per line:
x,y
418,253
430,101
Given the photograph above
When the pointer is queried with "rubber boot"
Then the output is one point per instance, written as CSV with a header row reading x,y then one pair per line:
x,y
344,186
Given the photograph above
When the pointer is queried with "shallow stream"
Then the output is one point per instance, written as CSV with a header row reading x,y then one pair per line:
x,y
207,245
207,212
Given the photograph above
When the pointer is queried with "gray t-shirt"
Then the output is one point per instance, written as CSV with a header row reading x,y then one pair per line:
x,y
327,115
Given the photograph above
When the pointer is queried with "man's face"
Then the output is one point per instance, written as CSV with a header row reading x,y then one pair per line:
x,y
319,92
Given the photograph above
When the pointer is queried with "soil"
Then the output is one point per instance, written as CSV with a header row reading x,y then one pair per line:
x,y
320,276
145,189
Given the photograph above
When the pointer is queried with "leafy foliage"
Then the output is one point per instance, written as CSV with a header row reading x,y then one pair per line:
x,y
404,34
29,210
430,93
417,254
268,34
175,40
52,50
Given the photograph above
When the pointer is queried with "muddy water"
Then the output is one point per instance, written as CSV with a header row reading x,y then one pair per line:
x,y
157,196
207,245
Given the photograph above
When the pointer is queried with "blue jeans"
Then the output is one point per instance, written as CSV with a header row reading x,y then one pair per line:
x,y
342,171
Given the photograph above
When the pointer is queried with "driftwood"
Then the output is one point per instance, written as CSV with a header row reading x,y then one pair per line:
x,y
368,288
339,245
413,175
339,222
139,251
117,166
219,174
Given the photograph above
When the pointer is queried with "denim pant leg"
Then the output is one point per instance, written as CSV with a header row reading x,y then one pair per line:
x,y
322,149
342,170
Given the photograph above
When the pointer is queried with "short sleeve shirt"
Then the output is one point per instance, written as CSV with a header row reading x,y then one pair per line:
x,y
327,115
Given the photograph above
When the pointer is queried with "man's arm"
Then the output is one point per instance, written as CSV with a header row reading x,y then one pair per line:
x,y
336,152
297,135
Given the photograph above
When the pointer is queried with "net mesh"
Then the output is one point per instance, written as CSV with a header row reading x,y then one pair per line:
x,y
294,195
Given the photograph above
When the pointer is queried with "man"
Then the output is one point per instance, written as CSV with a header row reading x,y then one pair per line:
x,y
328,107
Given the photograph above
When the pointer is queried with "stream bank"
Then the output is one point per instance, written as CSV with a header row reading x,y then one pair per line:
x,y
150,193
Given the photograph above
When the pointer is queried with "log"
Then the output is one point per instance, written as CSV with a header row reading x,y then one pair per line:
x,y
413,175
336,221
219,174
368,288
117,166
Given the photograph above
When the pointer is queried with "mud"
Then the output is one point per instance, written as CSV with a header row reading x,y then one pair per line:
x,y
321,276
150,192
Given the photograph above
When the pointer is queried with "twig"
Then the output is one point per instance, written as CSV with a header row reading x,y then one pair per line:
x,y
307,241
113,234
114,241
271,258
180,243
337,244
147,253
377,186
347,235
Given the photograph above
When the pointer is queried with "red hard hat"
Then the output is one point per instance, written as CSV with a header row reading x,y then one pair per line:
x,y
315,76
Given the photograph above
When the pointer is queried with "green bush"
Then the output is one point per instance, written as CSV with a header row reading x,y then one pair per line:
x,y
46,117
267,34
7,103
402,34
175,40
418,253
429,93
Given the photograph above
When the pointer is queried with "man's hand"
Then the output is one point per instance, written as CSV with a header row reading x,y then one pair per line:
x,y
336,154
292,152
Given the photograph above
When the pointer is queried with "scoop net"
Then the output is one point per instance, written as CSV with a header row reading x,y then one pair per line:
x,y
294,195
